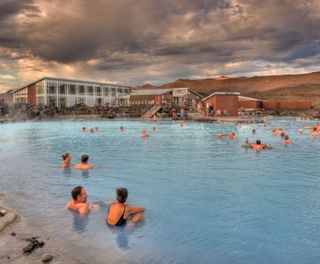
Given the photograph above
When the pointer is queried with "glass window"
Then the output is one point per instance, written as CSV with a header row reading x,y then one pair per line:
x,y
40,100
52,100
119,90
113,89
72,89
51,88
98,91
81,89
39,88
125,90
62,89
113,94
81,100
90,90
106,90
62,101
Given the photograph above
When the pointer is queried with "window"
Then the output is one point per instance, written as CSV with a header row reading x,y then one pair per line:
x,y
52,101
90,90
106,90
72,89
98,91
113,94
62,101
113,89
51,88
125,90
81,90
81,100
39,88
62,89
40,100
119,90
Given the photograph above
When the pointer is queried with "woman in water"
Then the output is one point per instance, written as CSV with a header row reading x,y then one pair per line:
x,y
66,160
120,213
286,140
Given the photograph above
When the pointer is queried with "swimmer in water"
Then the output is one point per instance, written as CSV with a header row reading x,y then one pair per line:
x,y
282,135
97,129
274,131
300,131
232,136
91,130
122,129
84,130
253,131
314,132
286,140
144,133
66,160
120,213
84,165
154,129
219,136
258,146
78,202
246,144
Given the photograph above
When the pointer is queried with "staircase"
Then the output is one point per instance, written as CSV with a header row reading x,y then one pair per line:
x,y
152,111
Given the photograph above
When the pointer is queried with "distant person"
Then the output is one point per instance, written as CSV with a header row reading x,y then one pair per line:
x,y
314,132
219,136
122,129
254,131
154,129
246,144
300,131
174,114
84,165
91,130
144,133
286,140
66,160
97,129
232,136
182,114
78,202
210,110
282,135
155,118
120,213
84,130
258,146
274,132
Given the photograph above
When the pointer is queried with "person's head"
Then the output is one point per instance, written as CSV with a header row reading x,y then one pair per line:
x,y
258,142
315,129
83,128
154,128
282,134
247,141
84,158
121,128
286,137
122,195
274,129
253,131
66,156
79,194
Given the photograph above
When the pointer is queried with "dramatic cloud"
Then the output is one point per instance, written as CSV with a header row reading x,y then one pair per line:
x,y
134,42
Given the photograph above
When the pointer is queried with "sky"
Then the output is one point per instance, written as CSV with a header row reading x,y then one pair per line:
x,y
135,42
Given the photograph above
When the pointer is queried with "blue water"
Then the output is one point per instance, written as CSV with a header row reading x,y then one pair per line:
x,y
207,201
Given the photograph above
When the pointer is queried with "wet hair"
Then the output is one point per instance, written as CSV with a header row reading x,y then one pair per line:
x,y
121,127
84,158
282,134
122,195
83,128
65,155
258,141
315,129
286,137
76,191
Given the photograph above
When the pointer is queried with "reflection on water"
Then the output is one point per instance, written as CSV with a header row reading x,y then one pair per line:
x,y
67,171
85,173
80,222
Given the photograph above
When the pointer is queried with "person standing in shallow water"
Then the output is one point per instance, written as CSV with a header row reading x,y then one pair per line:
x,y
84,165
120,213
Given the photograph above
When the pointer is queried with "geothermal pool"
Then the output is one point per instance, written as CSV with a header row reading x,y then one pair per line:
x,y
207,201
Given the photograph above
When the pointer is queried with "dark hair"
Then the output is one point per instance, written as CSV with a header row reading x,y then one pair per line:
x,y
76,191
84,158
122,195
258,141
314,128
282,134
65,155
84,128
286,137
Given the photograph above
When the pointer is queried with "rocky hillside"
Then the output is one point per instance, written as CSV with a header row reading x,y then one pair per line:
x,y
303,87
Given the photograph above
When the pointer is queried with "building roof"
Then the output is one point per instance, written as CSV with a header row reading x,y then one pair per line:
x,y
67,80
245,98
160,91
220,93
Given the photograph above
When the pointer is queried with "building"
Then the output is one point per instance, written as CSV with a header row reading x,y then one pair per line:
x,y
184,97
7,97
250,103
64,92
223,103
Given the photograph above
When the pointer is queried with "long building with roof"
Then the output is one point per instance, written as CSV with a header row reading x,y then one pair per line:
x,y
65,92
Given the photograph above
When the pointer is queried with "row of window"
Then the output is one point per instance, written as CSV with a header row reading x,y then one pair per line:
x,y
53,88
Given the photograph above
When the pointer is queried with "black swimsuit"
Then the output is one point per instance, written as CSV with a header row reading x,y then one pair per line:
x,y
122,220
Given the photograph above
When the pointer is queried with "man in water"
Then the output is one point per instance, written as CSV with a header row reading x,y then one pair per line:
x,y
84,165
78,202
66,160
